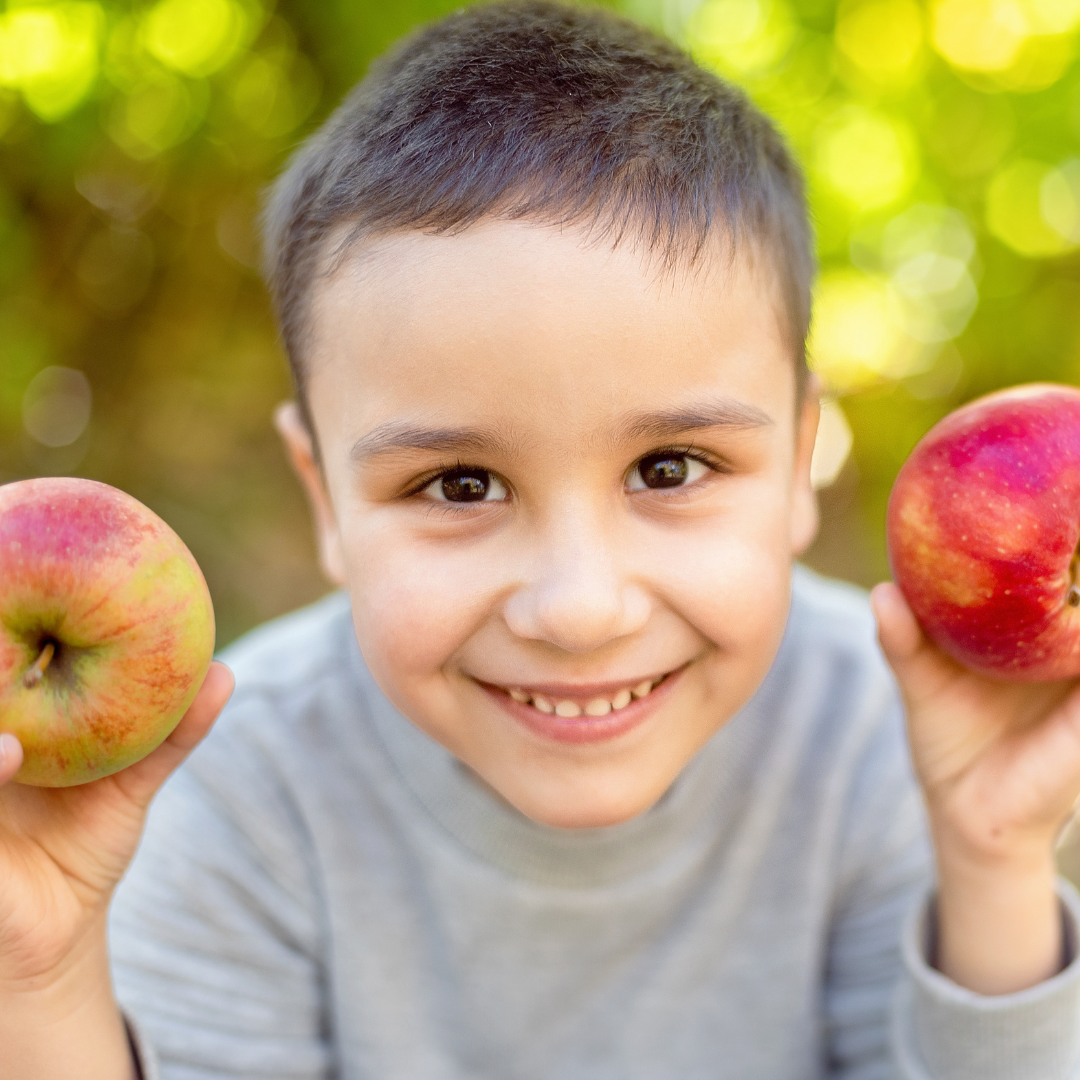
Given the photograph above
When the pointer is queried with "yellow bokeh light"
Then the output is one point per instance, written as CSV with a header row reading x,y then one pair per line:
x,y
1025,44
980,35
1015,209
926,227
832,445
156,117
932,296
881,37
854,340
126,64
741,37
1039,63
195,37
50,53
1052,16
865,156
928,250
1059,200
723,23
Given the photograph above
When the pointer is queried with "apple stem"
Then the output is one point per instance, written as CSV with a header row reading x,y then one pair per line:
x,y
37,672
1073,597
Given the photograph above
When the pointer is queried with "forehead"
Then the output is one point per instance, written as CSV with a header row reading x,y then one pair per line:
x,y
539,325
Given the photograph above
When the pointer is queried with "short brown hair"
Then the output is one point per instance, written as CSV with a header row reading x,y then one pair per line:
x,y
539,111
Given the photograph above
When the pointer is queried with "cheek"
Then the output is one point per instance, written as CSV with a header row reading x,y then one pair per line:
x,y
729,577
414,603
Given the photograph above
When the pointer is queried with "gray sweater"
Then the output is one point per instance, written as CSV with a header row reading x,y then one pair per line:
x,y
323,891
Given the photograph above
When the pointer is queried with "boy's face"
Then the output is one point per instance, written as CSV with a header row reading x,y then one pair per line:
x,y
554,475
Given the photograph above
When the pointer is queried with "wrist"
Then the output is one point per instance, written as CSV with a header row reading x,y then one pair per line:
x,y
58,968
66,1022
979,839
55,995
996,859
999,918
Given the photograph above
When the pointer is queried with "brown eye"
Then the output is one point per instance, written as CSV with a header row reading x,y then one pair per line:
x,y
665,470
466,485
662,472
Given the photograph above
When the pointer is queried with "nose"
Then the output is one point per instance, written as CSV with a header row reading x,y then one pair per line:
x,y
579,595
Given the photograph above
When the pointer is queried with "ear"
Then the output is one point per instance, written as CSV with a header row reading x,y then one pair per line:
x,y
301,450
804,504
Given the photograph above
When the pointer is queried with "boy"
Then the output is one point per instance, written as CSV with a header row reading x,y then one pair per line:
x,y
604,791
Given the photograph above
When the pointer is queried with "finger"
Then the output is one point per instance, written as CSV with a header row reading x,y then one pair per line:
x,y
11,757
141,781
898,629
921,668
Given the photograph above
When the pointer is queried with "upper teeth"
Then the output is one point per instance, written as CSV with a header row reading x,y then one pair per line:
x,y
597,706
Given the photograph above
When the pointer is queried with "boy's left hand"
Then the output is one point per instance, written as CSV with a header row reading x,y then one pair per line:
x,y
999,765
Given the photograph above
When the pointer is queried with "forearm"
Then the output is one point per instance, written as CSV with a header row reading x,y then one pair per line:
x,y
999,920
66,1026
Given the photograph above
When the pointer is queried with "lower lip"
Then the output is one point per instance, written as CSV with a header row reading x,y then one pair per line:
x,y
586,729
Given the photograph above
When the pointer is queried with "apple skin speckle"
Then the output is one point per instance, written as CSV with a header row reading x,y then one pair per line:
x,y
983,525
92,570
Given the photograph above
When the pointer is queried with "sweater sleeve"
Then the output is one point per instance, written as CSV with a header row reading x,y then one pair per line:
x,y
890,1015
215,932
943,1032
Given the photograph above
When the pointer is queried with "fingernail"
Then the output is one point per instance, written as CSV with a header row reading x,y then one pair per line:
x,y
7,746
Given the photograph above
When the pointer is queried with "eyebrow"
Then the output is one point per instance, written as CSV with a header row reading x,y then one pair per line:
x,y
397,435
721,412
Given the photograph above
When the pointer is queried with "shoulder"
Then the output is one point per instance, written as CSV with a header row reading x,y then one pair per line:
x,y
826,729
292,755
856,738
230,837
832,616
830,686
298,718
296,672
301,669
831,636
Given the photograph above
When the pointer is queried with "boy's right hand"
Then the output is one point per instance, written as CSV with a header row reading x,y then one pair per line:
x,y
63,851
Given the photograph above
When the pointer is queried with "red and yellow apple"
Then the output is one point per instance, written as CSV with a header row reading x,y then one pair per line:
x,y
983,525
106,629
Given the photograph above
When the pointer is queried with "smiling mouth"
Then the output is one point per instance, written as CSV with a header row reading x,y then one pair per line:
x,y
571,706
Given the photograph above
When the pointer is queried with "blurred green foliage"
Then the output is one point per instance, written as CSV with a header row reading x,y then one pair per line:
x,y
942,144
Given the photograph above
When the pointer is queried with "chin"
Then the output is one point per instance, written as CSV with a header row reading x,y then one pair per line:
x,y
582,802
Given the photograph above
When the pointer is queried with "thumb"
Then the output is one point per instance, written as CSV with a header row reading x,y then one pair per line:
x,y
140,782
11,757
921,668
898,629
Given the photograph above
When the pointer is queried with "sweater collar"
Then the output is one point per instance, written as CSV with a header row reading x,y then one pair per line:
x,y
685,820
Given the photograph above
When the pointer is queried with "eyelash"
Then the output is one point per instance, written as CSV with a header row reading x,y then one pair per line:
x,y
710,461
446,508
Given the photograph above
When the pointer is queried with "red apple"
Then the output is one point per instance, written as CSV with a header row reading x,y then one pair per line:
x,y
983,524
106,629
